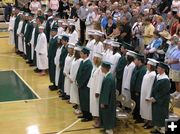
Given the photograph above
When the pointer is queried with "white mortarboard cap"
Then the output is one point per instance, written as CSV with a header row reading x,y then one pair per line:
x,y
152,62
99,55
98,33
41,27
91,32
115,44
131,53
60,21
71,24
78,48
39,9
108,41
65,24
71,45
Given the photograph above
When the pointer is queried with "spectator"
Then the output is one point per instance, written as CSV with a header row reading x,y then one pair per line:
x,y
54,5
160,26
34,6
8,8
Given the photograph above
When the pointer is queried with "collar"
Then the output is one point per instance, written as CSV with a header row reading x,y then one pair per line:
x,y
55,36
85,60
107,74
162,76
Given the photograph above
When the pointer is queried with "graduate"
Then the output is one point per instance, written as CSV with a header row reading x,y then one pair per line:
x,y
48,23
107,53
51,55
39,22
20,34
16,23
98,45
135,85
95,84
90,43
128,70
160,98
56,62
82,78
107,101
41,50
73,33
64,53
60,27
115,57
74,94
146,88
28,36
66,71
32,42
121,65
11,27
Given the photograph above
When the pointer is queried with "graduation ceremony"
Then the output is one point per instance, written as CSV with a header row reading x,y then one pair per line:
x,y
89,66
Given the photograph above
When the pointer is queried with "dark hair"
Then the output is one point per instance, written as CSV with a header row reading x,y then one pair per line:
x,y
153,10
72,29
77,54
152,68
147,19
157,33
116,49
129,59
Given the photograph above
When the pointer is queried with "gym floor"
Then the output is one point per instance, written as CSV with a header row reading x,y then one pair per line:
x,y
41,111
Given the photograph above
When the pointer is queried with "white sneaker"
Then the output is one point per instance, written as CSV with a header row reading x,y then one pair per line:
x,y
176,93
177,97
109,131
77,111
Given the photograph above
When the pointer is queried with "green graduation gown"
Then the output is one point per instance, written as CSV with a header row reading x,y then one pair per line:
x,y
51,55
28,35
48,28
16,23
82,78
161,93
119,71
108,98
35,43
135,88
64,53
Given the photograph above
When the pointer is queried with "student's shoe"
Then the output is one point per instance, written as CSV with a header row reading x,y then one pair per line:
x,y
86,120
110,131
37,70
177,97
176,93
53,87
75,106
80,116
77,111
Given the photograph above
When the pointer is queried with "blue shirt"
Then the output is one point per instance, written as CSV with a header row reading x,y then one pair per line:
x,y
104,22
175,56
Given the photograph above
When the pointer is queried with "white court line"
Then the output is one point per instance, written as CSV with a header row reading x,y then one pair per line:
x,y
11,56
62,131
10,69
26,84
30,100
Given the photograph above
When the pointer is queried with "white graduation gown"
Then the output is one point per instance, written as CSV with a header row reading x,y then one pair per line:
x,y
66,71
77,25
73,37
20,38
128,70
114,61
98,48
56,61
74,93
95,84
24,44
107,55
60,31
11,29
90,45
146,88
41,47
89,23
32,44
